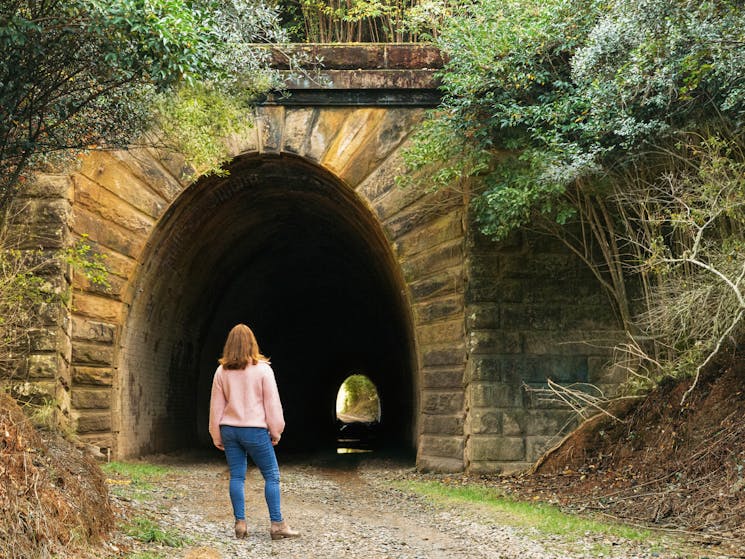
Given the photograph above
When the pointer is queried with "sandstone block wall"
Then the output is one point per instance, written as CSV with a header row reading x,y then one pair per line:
x,y
533,312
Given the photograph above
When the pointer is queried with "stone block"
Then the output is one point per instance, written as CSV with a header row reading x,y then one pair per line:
x,y
484,266
536,446
442,284
440,309
513,422
575,342
494,341
180,170
298,122
533,317
382,180
120,193
440,333
496,448
444,356
549,267
84,328
439,464
107,234
40,210
91,398
103,440
487,369
484,316
164,172
436,259
327,125
114,209
49,186
93,422
46,366
494,290
355,133
97,308
247,142
495,395
101,376
443,229
548,422
44,236
52,314
114,287
444,447
390,126
51,339
451,377
92,354
442,425
117,265
440,402
485,421
403,213
269,126
38,392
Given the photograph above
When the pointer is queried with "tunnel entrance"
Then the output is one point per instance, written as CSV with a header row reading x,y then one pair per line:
x,y
283,246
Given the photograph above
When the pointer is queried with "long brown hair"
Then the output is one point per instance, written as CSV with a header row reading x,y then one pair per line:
x,y
240,349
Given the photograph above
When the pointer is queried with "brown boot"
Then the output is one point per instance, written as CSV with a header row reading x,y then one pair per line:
x,y
280,530
240,529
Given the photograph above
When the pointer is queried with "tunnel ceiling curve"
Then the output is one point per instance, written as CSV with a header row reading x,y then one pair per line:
x,y
284,247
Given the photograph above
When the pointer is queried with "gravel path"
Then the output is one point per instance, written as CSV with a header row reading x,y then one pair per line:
x,y
348,508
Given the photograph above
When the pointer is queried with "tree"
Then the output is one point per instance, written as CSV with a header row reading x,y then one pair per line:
x,y
566,117
82,74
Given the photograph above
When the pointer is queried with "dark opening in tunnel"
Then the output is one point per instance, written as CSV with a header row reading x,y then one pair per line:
x,y
284,247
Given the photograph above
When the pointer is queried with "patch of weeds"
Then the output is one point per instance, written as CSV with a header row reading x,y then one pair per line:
x,y
147,531
133,479
543,517
146,555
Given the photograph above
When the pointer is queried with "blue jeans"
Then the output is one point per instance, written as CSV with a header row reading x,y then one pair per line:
x,y
255,442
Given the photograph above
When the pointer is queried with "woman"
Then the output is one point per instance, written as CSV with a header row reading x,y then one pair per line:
x,y
246,419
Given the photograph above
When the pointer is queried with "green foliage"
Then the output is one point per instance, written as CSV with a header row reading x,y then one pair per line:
x,y
25,293
359,397
573,91
137,472
148,531
133,480
82,256
83,74
585,121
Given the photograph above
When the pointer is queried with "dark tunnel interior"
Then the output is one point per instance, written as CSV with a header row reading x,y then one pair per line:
x,y
284,247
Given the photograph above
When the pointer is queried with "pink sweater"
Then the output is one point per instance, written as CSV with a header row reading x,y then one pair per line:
x,y
245,398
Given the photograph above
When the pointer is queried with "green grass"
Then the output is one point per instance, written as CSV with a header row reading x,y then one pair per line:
x,y
146,555
543,517
147,531
133,479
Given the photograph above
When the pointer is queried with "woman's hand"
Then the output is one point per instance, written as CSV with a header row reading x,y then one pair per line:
x,y
220,446
275,439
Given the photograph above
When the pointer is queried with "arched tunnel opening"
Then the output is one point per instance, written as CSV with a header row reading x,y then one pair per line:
x,y
285,247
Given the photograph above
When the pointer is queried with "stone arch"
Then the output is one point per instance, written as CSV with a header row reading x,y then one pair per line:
x,y
334,167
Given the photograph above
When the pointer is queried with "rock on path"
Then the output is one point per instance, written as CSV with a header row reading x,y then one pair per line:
x,y
351,510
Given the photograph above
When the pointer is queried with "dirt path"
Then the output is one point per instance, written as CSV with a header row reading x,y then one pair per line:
x,y
347,508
